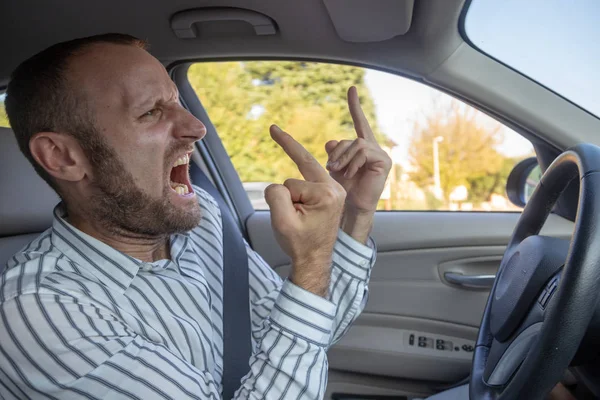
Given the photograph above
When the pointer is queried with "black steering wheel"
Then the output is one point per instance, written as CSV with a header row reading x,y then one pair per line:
x,y
546,290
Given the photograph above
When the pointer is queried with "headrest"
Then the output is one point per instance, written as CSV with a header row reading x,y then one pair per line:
x,y
26,201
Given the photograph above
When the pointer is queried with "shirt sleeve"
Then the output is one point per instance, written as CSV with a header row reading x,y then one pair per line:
x,y
290,358
59,347
293,328
352,264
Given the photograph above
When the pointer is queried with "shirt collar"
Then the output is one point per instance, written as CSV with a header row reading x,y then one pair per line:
x,y
112,267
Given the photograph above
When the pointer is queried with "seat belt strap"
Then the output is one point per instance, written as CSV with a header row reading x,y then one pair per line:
x,y
237,343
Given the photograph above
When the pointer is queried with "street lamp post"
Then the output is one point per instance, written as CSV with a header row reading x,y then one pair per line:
x,y
437,185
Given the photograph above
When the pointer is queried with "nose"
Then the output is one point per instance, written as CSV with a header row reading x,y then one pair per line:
x,y
188,126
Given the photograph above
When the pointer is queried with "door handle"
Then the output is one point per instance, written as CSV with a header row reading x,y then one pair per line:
x,y
470,281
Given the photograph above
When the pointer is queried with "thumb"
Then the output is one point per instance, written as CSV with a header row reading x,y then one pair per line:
x,y
280,203
329,146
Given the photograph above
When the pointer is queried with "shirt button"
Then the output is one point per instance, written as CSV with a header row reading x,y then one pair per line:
x,y
363,263
146,267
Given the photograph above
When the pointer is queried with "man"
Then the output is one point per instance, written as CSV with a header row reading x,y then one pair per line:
x,y
122,297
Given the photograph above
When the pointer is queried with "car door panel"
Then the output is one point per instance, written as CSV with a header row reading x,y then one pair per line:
x,y
408,294
398,230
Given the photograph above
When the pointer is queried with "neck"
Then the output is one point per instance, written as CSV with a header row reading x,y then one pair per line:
x,y
143,247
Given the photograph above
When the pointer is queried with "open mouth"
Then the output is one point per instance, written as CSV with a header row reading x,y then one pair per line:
x,y
179,178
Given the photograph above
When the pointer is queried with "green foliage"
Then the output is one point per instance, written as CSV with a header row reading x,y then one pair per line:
x,y
467,153
3,117
482,186
308,100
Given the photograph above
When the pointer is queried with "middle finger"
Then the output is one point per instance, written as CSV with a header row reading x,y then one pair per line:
x,y
309,167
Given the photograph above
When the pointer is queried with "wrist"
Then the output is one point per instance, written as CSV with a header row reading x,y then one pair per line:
x,y
357,223
312,275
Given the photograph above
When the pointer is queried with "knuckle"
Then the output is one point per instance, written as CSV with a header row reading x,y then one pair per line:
x,y
342,146
270,189
307,158
388,160
385,157
329,193
333,194
288,182
341,193
277,190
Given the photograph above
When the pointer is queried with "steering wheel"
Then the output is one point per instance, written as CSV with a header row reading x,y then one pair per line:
x,y
546,290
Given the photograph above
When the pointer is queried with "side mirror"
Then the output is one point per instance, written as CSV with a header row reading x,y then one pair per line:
x,y
522,181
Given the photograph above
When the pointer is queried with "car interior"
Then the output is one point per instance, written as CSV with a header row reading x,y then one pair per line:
x,y
435,270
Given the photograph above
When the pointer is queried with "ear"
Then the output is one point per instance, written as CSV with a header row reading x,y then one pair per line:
x,y
60,155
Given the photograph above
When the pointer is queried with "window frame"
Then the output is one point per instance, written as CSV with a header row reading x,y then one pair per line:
x,y
567,203
225,176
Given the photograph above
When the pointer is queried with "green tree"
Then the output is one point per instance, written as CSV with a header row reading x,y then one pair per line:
x,y
306,99
482,186
467,153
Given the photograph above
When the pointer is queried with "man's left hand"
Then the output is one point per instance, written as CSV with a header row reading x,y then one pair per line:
x,y
361,166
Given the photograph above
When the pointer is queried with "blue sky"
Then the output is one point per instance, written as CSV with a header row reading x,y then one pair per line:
x,y
552,41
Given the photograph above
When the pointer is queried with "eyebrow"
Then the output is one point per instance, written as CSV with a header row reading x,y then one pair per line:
x,y
153,99
144,104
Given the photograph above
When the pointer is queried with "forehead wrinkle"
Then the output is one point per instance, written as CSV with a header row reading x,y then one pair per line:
x,y
159,93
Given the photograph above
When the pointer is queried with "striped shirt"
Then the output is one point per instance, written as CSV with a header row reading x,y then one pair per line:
x,y
82,320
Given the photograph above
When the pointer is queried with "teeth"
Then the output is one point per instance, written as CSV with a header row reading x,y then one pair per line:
x,y
179,188
181,160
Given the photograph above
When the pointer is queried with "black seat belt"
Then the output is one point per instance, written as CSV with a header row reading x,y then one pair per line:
x,y
237,343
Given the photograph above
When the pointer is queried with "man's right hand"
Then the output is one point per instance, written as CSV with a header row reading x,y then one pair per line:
x,y
305,216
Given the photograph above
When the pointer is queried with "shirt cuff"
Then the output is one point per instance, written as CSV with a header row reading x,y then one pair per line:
x,y
303,314
354,257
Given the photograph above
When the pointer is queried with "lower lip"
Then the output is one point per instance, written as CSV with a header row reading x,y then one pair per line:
x,y
183,196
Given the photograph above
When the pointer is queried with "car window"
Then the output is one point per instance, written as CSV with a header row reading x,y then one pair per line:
x,y
447,155
551,41
3,118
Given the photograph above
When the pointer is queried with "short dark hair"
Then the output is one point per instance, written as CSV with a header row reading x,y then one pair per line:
x,y
40,99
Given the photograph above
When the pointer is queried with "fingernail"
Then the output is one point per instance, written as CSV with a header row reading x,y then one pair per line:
x,y
276,128
332,165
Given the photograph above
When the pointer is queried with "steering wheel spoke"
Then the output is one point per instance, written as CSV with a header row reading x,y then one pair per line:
x,y
506,358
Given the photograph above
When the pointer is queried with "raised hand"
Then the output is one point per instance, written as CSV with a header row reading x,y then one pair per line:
x,y
305,216
361,166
